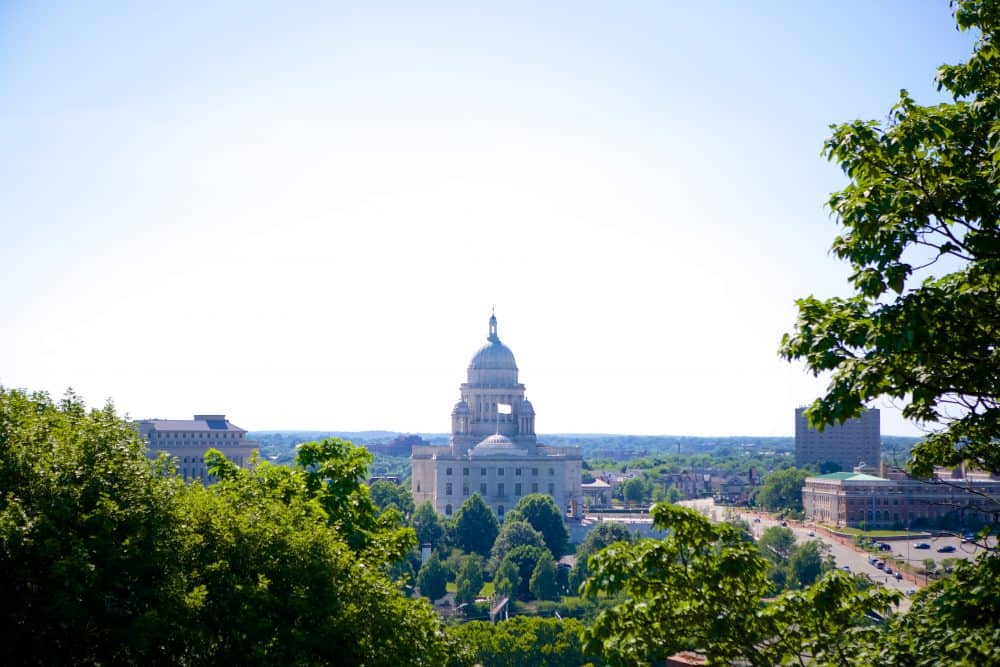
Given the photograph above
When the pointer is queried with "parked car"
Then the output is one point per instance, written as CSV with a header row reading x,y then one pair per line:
x,y
880,565
888,570
946,549
921,545
883,546
785,524
846,568
812,534
899,576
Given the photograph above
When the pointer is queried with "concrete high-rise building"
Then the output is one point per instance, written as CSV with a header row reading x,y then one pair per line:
x,y
856,441
187,440
493,450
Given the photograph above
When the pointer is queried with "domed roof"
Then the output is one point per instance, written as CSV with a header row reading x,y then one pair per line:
x,y
497,445
460,408
494,355
496,442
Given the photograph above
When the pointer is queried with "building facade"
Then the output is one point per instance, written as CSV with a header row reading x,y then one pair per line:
x,y
187,440
493,450
855,442
854,499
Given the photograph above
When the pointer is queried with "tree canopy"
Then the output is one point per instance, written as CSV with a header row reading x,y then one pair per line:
x,y
541,512
475,526
782,490
108,557
919,220
514,534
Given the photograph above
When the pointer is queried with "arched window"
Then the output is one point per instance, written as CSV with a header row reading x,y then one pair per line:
x,y
447,510
500,511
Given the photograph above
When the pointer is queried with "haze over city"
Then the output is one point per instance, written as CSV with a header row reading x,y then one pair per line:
x,y
302,217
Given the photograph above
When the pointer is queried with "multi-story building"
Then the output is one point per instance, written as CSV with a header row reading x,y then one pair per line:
x,y
855,499
493,450
187,440
855,442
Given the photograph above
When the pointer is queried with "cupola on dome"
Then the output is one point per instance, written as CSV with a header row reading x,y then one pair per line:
x,y
494,356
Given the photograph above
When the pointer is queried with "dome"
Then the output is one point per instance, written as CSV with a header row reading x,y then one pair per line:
x,y
527,408
496,442
497,445
460,408
494,356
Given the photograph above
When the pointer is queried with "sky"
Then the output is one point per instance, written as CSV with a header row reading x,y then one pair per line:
x,y
302,214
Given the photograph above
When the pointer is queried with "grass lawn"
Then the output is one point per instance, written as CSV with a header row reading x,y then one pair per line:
x,y
484,592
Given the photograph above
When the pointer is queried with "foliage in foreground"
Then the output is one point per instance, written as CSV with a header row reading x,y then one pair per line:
x,y
703,588
109,558
526,641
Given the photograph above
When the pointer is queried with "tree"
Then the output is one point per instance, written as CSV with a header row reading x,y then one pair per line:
x,y
702,588
476,527
433,578
543,585
922,197
386,494
541,512
469,580
427,524
602,535
633,490
777,543
108,557
524,558
514,534
807,563
782,490
527,641
507,580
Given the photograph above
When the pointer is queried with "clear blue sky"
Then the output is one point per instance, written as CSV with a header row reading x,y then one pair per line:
x,y
301,215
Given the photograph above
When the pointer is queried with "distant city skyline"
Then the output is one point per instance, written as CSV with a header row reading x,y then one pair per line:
x,y
301,217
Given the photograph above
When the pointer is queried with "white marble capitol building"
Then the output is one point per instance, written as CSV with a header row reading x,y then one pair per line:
x,y
493,450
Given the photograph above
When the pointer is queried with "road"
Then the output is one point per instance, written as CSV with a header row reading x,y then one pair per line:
x,y
843,553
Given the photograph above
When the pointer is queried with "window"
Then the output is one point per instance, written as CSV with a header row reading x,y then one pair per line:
x,y
552,472
534,487
447,489
447,510
447,471
482,489
465,471
500,511
500,490
517,472
500,472
465,490
517,489
418,486
482,472
534,472
552,489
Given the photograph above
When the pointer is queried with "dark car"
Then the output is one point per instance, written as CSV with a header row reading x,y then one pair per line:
x,y
884,546
921,545
946,549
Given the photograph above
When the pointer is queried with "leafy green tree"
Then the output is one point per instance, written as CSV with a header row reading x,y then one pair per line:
x,y
386,494
702,588
543,585
427,524
525,558
807,562
541,512
782,490
634,491
469,580
921,198
777,543
526,641
433,578
602,535
507,580
514,534
475,527
109,558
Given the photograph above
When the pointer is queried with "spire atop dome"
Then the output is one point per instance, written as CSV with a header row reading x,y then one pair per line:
x,y
493,338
